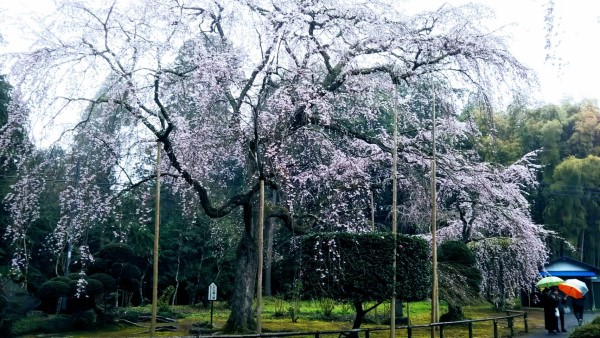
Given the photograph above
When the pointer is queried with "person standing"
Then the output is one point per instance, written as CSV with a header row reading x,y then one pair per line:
x,y
578,304
550,302
562,302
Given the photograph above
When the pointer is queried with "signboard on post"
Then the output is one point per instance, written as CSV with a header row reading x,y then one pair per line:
x,y
212,296
212,291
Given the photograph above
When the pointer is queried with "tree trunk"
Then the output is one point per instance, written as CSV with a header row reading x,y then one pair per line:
x,y
360,316
241,318
270,230
141,290
176,277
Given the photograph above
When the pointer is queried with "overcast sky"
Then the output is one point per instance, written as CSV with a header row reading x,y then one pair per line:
x,y
573,73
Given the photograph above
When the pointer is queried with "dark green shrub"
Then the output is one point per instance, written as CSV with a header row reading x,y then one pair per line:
x,y
356,268
52,324
61,279
164,301
596,321
6,323
130,315
586,331
351,267
459,278
52,290
109,284
74,276
94,287
83,320
116,252
455,313
3,302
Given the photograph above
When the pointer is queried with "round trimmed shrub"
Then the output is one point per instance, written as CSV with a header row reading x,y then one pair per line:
x,y
49,292
94,287
52,290
109,284
61,279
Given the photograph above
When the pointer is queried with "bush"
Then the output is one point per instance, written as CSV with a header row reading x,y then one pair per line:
x,y
109,284
83,320
51,290
294,310
279,307
455,313
3,302
61,279
51,324
6,323
164,300
353,268
586,331
130,315
327,305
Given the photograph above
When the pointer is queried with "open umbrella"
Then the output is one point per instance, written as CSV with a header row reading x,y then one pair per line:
x,y
549,281
574,288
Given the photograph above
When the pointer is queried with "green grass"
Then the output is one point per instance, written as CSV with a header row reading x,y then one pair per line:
x,y
312,319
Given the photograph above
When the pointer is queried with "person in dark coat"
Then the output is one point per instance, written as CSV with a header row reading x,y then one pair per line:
x,y
550,302
562,303
578,304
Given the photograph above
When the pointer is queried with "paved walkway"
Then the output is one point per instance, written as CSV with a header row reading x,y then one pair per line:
x,y
570,324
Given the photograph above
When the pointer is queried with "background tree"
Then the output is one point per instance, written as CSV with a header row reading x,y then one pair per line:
x,y
572,203
565,135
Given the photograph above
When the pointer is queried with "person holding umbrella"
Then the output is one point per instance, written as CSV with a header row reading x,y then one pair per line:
x,y
550,302
562,302
577,290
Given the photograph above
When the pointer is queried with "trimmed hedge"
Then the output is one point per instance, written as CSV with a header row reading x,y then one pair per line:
x,y
51,324
358,266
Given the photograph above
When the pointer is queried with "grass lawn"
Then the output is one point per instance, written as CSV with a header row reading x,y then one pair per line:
x,y
275,318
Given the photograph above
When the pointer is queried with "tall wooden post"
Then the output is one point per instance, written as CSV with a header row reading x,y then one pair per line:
x,y
394,214
261,221
434,276
156,234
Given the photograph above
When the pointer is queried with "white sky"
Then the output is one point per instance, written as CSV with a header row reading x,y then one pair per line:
x,y
576,39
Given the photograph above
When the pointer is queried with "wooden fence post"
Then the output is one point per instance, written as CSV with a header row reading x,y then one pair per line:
x,y
495,329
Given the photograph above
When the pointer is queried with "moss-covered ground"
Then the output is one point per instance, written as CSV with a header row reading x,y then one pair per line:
x,y
311,318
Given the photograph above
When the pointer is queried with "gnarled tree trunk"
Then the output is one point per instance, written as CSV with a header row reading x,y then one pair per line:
x,y
241,318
